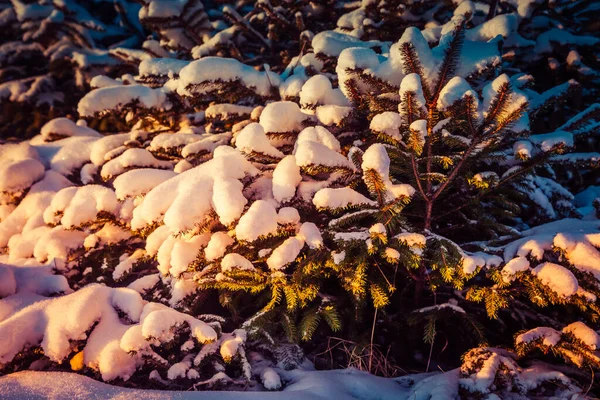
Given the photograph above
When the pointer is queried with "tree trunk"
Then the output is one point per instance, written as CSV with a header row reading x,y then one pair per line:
x,y
428,210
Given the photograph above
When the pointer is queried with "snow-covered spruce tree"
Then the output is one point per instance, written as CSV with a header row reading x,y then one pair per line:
x,y
167,92
80,234
257,30
180,25
51,49
553,43
250,32
113,334
553,40
382,20
443,137
268,142
494,136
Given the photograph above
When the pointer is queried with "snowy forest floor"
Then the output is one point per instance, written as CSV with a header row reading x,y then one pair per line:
x,y
305,385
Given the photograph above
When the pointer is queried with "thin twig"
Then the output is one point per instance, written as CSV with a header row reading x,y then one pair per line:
x,y
430,353
372,336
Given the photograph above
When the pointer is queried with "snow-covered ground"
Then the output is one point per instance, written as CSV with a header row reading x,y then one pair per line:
x,y
304,385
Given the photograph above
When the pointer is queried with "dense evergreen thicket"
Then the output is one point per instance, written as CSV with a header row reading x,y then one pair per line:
x,y
200,194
